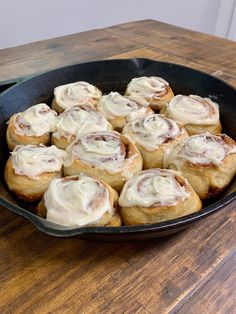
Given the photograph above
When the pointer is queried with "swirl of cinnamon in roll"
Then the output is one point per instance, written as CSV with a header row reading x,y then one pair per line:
x,y
154,90
197,114
73,94
32,160
152,131
153,135
207,161
204,149
77,121
30,169
108,155
35,121
120,109
156,195
78,201
32,126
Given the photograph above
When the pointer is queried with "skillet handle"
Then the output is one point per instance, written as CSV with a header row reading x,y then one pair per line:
x,y
7,84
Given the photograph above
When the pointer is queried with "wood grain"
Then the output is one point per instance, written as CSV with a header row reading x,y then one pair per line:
x,y
49,54
211,298
190,272
176,41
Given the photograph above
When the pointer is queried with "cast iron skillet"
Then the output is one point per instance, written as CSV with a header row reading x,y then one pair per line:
x,y
113,75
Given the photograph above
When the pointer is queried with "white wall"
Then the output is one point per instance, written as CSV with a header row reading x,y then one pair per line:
x,y
226,21
23,21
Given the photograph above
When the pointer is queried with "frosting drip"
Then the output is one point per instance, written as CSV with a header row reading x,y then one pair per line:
x,y
148,87
193,109
153,187
76,201
78,121
152,131
35,121
201,149
116,105
104,150
77,93
33,160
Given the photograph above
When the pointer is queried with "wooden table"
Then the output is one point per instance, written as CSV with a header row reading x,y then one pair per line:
x,y
191,272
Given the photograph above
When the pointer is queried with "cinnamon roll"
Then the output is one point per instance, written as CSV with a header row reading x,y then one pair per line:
x,y
73,94
31,168
79,201
107,155
207,161
197,114
153,90
120,109
77,121
157,195
153,135
32,126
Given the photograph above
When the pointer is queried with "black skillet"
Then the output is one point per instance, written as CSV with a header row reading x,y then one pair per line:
x,y
113,75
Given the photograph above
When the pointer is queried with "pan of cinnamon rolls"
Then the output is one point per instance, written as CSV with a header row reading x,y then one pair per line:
x,y
118,150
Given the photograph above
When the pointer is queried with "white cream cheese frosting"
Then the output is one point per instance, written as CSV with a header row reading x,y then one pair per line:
x,y
200,149
33,160
148,87
152,131
104,150
77,93
76,201
80,120
115,105
193,109
153,187
35,121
